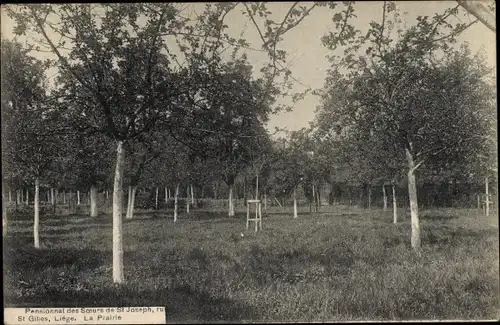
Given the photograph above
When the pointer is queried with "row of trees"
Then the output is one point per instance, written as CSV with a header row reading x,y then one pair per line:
x,y
145,95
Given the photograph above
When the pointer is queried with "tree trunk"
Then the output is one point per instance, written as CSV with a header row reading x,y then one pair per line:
x,y
78,197
265,201
230,201
394,204
118,276
93,201
22,196
369,197
192,195
56,193
295,214
412,193
18,197
257,187
27,196
479,202
166,196
314,198
245,191
4,210
487,197
176,207
156,199
128,214
36,225
132,202
64,197
384,195
10,196
187,199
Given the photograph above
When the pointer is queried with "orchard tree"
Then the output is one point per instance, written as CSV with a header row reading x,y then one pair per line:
x,y
29,151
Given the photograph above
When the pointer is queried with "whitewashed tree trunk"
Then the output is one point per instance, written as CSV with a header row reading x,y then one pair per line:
x,y
257,187
93,201
18,197
230,201
295,214
394,205
64,197
128,214
487,197
187,199
369,197
118,276
192,195
22,195
384,194
4,210
27,197
36,224
52,196
107,194
176,202
314,199
412,193
166,195
265,201
78,197
132,203
56,193
156,199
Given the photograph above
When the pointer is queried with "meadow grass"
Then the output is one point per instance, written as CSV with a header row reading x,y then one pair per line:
x,y
348,264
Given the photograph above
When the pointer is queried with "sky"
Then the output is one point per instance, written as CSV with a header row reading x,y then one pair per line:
x,y
306,55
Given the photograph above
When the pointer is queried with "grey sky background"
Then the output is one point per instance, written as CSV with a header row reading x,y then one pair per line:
x,y
306,54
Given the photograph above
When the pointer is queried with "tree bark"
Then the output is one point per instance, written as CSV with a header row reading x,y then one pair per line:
x,y
36,224
295,214
384,194
64,197
22,195
18,197
192,195
265,201
412,193
93,201
78,197
118,276
176,207
27,196
394,205
166,196
10,196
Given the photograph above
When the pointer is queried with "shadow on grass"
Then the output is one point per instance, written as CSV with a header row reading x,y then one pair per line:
x,y
182,303
28,258
439,217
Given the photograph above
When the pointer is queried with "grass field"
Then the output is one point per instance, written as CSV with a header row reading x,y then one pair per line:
x,y
351,264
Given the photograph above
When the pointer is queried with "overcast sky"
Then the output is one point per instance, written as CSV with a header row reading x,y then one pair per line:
x,y
307,56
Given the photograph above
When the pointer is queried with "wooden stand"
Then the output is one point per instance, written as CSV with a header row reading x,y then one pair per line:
x,y
258,214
